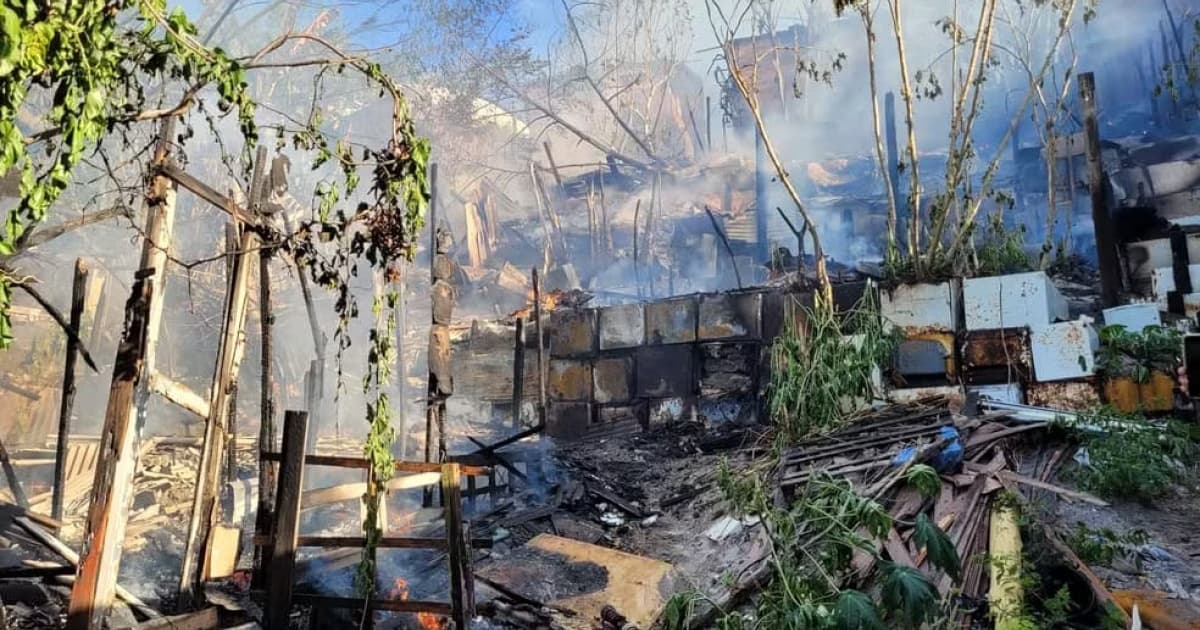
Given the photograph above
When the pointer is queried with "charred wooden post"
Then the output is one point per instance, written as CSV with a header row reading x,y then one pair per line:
x,y
441,381
553,166
10,476
1106,244
518,373
221,395
287,521
266,428
452,496
78,295
541,347
104,533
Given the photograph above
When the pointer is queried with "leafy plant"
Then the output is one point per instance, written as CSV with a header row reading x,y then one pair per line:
x,y
925,479
1002,250
1138,354
1101,546
818,373
813,542
1129,457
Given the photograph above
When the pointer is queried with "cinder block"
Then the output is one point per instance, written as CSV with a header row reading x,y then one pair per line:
x,y
1012,301
612,380
572,332
568,420
921,307
569,380
665,411
781,309
622,326
671,321
664,371
1064,351
730,316
740,410
614,414
727,369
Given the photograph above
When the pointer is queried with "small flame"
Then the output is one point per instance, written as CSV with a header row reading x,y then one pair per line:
x,y
428,621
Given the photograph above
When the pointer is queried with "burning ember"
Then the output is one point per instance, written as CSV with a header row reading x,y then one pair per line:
x,y
428,621
552,300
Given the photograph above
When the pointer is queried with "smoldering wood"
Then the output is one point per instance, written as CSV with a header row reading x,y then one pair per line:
x,y
287,521
78,294
104,531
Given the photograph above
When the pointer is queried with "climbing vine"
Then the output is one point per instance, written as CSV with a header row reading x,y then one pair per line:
x,y
79,69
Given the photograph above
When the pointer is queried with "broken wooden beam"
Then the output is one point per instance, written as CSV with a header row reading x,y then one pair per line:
x,y
541,347
518,372
205,192
67,401
287,521
179,394
339,461
10,475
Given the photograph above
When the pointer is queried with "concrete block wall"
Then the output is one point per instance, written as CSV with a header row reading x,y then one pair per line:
x,y
656,363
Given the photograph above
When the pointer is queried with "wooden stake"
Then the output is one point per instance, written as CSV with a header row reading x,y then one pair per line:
x,y
78,292
221,397
104,533
287,521
541,347
518,373
452,496
266,428
1106,244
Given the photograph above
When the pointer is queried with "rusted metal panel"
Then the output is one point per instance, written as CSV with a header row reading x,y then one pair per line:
x,y
1004,351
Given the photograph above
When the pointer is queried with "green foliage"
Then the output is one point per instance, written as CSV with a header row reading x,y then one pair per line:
x,y
925,479
937,545
813,542
1131,458
1002,250
908,594
856,611
1101,546
1137,354
818,373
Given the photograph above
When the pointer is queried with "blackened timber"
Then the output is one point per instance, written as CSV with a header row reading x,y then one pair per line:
x,y
541,347
78,292
1106,244
441,380
91,596
451,495
728,249
266,428
387,542
10,476
104,532
287,521
518,372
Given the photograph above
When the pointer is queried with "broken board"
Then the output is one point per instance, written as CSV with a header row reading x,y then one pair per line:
x,y
575,575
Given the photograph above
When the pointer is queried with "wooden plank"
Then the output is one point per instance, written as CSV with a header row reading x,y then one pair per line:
x,y
10,475
387,542
221,395
206,192
1066,492
461,610
67,402
205,619
179,394
391,605
287,521
339,461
